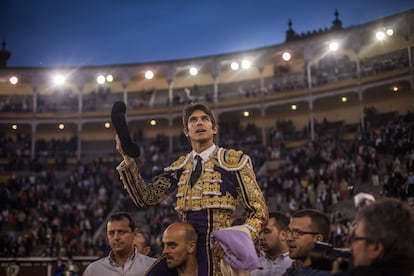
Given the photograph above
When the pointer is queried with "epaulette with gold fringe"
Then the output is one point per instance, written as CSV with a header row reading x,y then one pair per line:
x,y
179,163
232,160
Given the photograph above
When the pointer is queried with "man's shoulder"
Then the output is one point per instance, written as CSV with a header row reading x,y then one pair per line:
x,y
230,153
141,264
100,261
179,163
265,269
231,159
97,266
147,260
306,271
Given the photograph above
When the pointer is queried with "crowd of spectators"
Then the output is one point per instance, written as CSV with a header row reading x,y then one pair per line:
x,y
328,171
17,152
51,212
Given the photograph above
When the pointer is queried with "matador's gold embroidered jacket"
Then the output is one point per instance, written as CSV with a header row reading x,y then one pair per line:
x,y
227,180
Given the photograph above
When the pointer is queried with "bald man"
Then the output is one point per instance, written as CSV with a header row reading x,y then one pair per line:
x,y
180,249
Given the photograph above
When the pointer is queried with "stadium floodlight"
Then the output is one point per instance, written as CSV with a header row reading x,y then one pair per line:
x,y
59,79
193,71
234,66
14,80
109,78
100,79
246,64
380,35
286,56
149,75
333,46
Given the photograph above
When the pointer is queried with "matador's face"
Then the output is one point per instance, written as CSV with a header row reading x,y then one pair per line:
x,y
200,128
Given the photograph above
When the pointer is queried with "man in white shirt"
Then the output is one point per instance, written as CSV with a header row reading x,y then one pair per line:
x,y
124,258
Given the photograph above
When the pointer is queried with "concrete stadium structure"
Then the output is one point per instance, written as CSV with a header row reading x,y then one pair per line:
x,y
316,83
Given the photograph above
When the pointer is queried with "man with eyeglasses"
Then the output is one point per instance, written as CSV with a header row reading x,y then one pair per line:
x,y
306,227
383,240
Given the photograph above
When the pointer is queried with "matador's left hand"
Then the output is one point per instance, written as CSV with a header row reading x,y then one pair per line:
x,y
218,250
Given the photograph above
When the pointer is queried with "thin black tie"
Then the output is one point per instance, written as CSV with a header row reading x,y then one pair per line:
x,y
195,175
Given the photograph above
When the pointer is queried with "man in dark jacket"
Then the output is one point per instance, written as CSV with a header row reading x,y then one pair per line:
x,y
383,241
306,227
209,184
